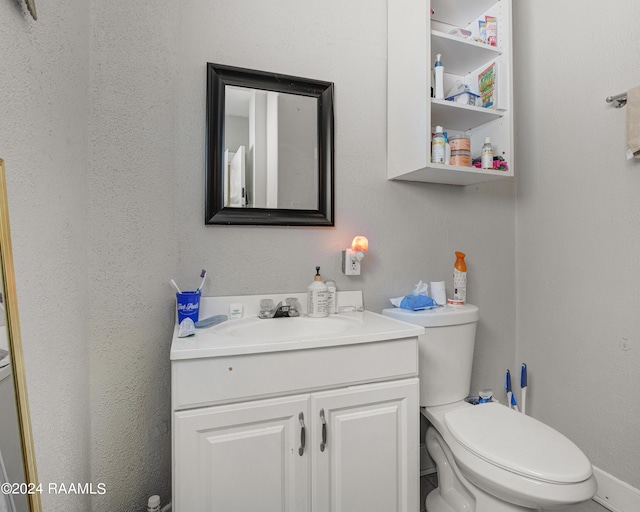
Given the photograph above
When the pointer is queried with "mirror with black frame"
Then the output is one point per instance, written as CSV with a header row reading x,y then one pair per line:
x,y
269,149
18,478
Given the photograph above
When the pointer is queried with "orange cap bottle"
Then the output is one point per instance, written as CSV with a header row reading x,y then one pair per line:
x,y
460,278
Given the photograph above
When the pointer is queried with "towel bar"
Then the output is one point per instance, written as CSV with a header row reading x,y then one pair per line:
x,y
619,100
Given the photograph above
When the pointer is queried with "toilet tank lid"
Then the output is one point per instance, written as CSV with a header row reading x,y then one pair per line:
x,y
439,317
518,443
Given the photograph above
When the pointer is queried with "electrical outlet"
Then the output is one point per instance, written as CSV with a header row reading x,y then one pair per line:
x,y
350,264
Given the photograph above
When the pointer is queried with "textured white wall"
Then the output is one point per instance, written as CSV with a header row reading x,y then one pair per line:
x,y
43,99
132,250
577,225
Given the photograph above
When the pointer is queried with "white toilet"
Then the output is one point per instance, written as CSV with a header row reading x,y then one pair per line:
x,y
490,458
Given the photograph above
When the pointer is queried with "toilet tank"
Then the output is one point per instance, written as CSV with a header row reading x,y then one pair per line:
x,y
446,350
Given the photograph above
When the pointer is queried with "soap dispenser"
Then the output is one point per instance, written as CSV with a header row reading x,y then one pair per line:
x,y
317,297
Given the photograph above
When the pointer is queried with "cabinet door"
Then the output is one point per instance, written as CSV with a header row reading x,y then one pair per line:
x,y
242,457
408,87
370,456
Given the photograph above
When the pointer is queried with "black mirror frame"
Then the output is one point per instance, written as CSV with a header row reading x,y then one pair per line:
x,y
218,76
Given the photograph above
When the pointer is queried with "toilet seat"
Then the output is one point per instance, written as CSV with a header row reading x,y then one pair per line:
x,y
518,443
485,456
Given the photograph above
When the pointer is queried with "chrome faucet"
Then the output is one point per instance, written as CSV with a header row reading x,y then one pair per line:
x,y
288,307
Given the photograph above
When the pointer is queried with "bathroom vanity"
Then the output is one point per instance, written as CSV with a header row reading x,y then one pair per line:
x,y
296,414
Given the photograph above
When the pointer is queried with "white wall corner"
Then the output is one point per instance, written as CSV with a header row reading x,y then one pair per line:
x,y
614,494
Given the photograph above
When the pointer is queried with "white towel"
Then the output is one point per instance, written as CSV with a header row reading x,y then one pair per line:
x,y
633,122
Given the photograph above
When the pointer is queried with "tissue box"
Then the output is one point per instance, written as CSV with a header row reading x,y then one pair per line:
x,y
464,98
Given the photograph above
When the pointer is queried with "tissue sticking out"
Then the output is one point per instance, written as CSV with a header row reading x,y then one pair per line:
x,y
417,300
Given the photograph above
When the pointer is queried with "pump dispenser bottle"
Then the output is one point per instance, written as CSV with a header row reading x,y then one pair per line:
x,y
317,297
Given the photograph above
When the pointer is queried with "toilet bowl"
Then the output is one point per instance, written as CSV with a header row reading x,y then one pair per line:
x,y
489,457
505,460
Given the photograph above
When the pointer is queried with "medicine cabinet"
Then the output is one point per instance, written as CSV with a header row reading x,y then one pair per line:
x,y
417,32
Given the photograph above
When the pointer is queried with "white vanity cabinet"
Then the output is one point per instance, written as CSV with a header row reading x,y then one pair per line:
x,y
347,449
370,458
415,37
242,457
316,424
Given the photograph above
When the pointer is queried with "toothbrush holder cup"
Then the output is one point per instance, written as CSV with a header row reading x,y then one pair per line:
x,y
188,305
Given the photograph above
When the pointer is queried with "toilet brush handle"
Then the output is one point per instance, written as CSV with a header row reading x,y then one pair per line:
x,y
523,386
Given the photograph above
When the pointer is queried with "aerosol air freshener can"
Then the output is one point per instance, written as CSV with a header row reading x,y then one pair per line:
x,y
460,278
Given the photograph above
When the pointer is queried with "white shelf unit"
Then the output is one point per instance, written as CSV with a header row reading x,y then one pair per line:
x,y
414,38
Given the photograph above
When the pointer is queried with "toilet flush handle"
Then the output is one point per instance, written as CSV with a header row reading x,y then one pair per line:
x,y
323,444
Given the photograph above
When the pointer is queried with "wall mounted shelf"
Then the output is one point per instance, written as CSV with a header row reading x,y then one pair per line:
x,y
412,114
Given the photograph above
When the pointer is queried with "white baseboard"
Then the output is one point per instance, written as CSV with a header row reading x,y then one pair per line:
x,y
614,494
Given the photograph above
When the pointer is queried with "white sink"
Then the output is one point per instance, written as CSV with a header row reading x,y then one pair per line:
x,y
278,329
253,335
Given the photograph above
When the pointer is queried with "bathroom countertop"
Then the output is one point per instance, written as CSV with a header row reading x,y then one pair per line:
x,y
221,340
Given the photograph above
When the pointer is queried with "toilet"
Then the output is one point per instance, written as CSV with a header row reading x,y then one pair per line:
x,y
489,457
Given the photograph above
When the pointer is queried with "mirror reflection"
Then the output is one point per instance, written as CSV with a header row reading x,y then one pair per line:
x,y
11,463
17,457
271,150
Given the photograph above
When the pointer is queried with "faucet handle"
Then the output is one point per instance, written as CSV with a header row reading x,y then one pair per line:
x,y
294,306
266,308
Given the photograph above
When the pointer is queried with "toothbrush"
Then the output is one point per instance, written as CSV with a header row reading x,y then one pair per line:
x,y
203,275
523,386
511,399
173,283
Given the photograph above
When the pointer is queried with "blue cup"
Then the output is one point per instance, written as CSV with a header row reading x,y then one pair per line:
x,y
188,305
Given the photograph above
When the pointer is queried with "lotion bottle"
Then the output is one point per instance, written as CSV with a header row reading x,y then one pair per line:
x,y
438,73
460,278
317,297
438,146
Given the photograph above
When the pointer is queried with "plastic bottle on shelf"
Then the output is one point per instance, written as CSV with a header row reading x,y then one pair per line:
x,y
460,279
438,146
438,72
447,150
487,154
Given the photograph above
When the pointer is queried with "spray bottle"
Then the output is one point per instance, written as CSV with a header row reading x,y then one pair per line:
x,y
460,279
